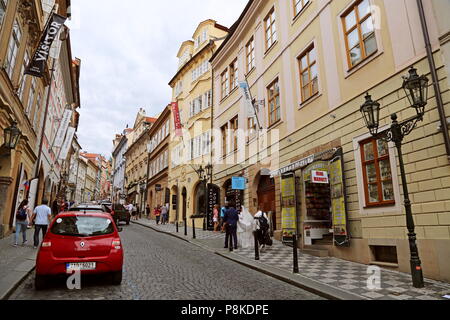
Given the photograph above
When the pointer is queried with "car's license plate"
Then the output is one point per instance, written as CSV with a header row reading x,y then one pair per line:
x,y
81,266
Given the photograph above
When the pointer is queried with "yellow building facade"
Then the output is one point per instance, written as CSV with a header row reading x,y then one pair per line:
x,y
309,65
193,92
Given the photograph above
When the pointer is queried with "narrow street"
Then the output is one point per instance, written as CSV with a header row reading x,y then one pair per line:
x,y
160,267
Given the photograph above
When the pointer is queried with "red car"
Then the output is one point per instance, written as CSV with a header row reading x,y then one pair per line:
x,y
88,242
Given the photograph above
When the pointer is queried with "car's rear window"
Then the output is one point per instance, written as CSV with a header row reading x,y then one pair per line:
x,y
83,226
87,209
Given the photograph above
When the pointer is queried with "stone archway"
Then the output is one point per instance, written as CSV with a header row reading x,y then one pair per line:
x,y
199,199
266,197
175,210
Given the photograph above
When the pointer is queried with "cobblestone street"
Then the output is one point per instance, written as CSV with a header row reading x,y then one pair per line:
x,y
160,267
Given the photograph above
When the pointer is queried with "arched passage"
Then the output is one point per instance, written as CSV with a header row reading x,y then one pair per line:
x,y
199,199
266,197
184,203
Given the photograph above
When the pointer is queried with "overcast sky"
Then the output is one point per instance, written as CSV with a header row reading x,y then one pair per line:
x,y
128,52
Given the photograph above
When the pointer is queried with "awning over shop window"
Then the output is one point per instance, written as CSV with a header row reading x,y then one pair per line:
x,y
301,163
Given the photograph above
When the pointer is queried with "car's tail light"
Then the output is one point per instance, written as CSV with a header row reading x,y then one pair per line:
x,y
116,244
46,244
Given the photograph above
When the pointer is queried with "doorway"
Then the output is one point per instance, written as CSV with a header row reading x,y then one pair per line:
x,y
184,195
266,198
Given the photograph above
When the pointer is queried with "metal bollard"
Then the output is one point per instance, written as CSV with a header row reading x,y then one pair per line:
x,y
185,228
193,229
177,226
256,246
295,245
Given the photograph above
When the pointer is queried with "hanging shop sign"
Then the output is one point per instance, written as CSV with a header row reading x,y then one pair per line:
x,y
288,207
64,125
177,119
238,183
319,177
67,144
36,67
338,201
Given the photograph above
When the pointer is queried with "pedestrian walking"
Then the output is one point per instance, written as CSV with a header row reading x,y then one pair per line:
x,y
231,219
157,214
41,217
134,212
222,217
216,218
22,221
164,215
147,211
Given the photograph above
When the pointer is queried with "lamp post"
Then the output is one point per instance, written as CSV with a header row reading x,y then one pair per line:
x,y
416,89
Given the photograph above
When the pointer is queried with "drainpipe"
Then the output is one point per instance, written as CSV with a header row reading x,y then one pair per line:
x,y
437,89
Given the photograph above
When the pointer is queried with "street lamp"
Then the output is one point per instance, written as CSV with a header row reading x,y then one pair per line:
x,y
12,136
416,89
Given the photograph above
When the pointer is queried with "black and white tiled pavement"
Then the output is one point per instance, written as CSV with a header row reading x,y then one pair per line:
x,y
345,275
349,276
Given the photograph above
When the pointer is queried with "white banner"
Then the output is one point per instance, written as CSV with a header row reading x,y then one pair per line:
x,y
67,144
64,125
245,89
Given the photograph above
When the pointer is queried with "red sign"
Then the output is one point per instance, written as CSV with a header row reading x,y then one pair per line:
x,y
177,119
320,177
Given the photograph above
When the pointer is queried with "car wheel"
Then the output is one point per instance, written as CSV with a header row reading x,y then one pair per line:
x,y
117,278
39,283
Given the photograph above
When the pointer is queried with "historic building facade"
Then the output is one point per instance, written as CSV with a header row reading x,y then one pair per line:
x,y
192,92
158,191
309,65
22,101
136,158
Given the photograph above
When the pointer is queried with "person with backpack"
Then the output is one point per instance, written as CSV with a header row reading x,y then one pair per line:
x,y
22,221
262,229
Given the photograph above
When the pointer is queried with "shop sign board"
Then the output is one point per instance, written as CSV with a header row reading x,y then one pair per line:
x,y
213,199
319,177
288,206
238,183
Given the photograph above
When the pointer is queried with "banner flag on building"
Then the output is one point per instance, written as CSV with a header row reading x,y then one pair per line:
x,y
67,143
248,100
177,119
64,125
37,64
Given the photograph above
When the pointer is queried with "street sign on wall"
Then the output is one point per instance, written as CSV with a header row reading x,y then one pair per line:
x,y
238,183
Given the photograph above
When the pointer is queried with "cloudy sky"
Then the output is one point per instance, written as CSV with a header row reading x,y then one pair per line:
x,y
128,51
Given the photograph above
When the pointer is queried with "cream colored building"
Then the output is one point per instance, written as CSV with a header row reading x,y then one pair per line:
x,y
309,65
192,90
136,158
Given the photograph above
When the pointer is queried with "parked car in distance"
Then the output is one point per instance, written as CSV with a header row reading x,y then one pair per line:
x,y
77,241
119,213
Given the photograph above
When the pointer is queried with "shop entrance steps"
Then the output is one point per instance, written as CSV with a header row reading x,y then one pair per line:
x,y
320,251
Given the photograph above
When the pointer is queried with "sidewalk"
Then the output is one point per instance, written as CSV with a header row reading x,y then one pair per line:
x,y
15,263
329,277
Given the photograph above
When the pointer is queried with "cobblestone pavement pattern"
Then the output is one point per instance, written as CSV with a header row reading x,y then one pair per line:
x,y
161,267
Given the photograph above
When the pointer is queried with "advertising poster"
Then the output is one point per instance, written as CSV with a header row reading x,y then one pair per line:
x,y
338,203
288,206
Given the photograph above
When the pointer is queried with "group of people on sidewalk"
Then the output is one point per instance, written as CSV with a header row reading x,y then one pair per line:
x,y
241,226
40,218
161,214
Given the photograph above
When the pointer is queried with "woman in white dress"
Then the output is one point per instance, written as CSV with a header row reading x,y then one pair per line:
x,y
246,226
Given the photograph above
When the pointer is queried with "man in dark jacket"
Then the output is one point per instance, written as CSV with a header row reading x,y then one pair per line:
x,y
231,219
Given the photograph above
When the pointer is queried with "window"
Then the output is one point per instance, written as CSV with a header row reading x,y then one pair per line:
x,y
250,54
271,30
225,84
308,73
234,74
13,49
376,167
224,130
359,32
23,75
3,5
179,88
274,102
31,97
234,126
299,5
251,123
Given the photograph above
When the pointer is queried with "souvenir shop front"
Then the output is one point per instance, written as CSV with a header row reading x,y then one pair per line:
x,y
313,201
